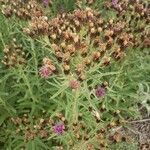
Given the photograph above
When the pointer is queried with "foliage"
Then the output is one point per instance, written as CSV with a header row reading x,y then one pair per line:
x,y
28,101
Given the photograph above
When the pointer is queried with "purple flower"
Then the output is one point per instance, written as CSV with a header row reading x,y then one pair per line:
x,y
114,2
59,128
74,84
46,2
45,71
100,91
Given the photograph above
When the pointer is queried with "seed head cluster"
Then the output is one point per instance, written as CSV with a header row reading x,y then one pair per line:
x,y
73,34
13,54
24,9
42,127
83,38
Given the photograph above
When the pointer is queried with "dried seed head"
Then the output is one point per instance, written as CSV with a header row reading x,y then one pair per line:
x,y
79,68
119,55
63,119
66,68
90,14
66,57
90,146
100,136
99,29
109,32
52,67
78,135
93,30
106,61
43,133
41,120
103,143
7,11
117,137
111,21
102,130
112,124
90,1
76,39
18,130
91,24
117,111
96,56
5,50
82,77
87,61
102,48
63,45
74,84
53,36
27,31
103,108
47,61
59,115
70,142
59,55
105,84
77,23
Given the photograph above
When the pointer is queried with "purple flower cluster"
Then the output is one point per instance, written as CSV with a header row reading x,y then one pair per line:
x,y
59,128
45,71
46,2
100,91
114,2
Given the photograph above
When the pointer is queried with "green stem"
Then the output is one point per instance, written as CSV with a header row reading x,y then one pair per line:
x,y
30,91
75,106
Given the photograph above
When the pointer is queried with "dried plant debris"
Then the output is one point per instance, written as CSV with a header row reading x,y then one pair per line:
x,y
13,54
134,131
142,129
